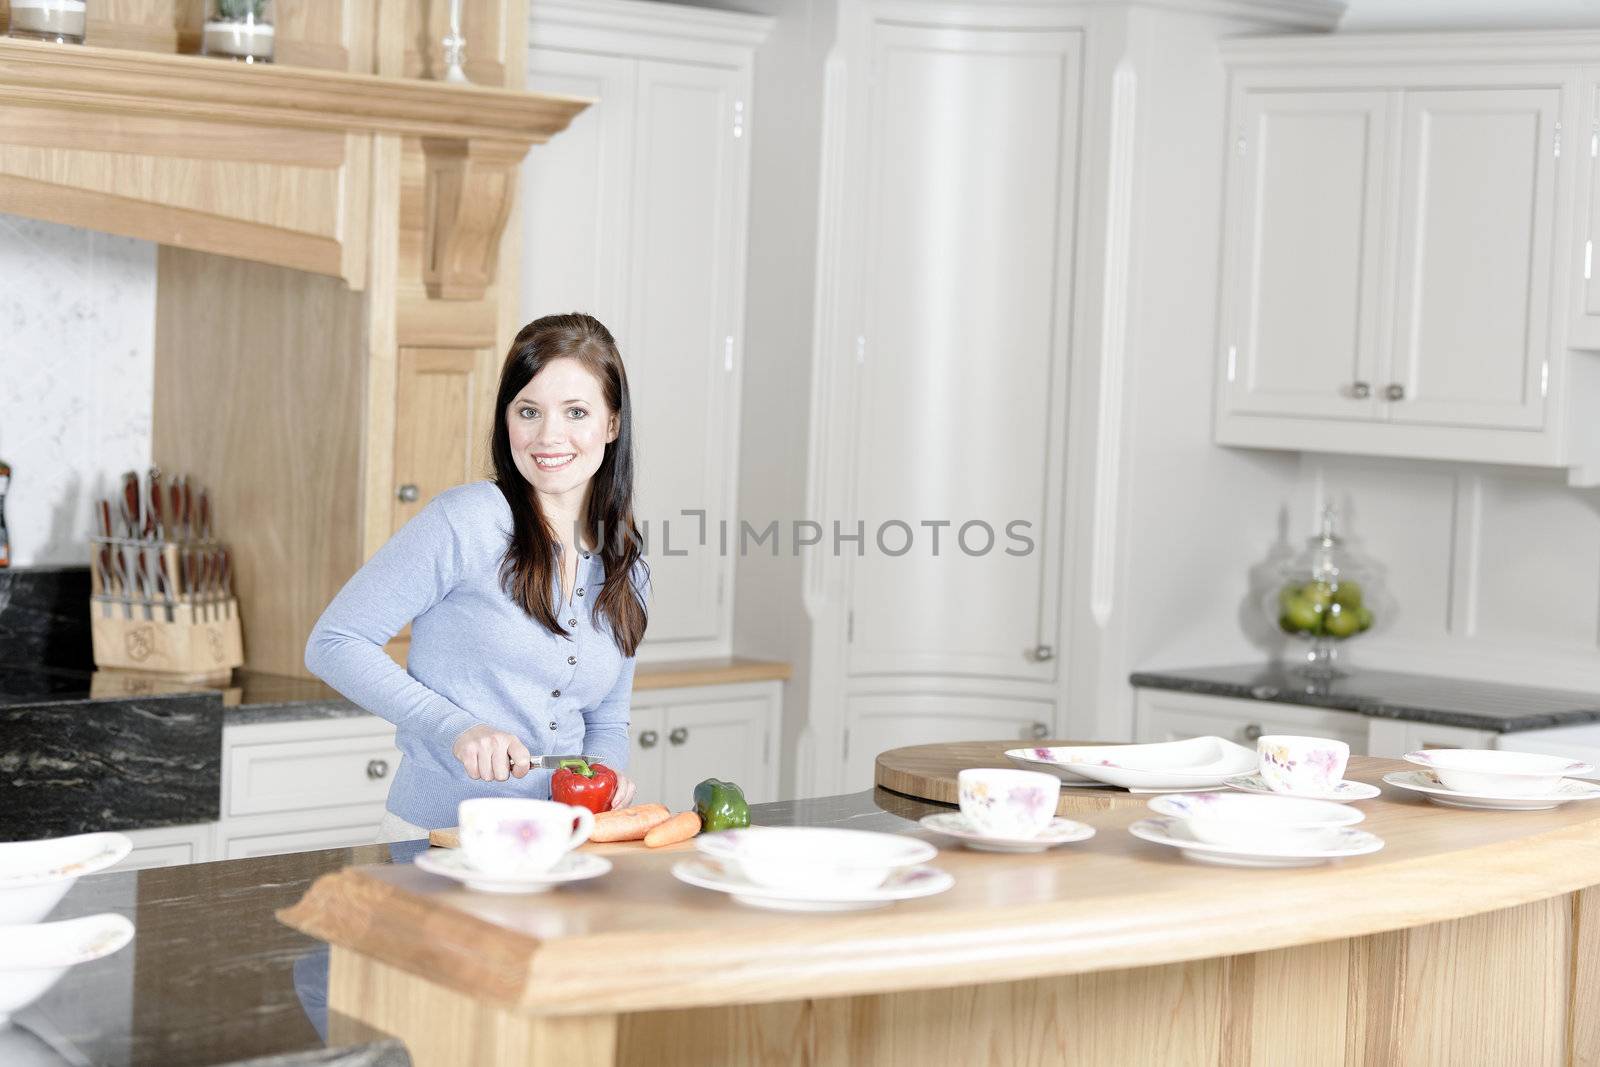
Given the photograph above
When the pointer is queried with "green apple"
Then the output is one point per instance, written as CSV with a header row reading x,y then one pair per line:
x,y
1320,594
1341,622
1348,595
1364,617
1302,616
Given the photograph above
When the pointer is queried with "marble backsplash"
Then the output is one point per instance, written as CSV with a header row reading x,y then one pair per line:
x,y
77,370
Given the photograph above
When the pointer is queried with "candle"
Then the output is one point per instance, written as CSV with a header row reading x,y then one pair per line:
x,y
49,20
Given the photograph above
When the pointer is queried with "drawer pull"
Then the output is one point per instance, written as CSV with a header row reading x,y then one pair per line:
x,y
648,739
1038,731
678,736
377,768
1253,732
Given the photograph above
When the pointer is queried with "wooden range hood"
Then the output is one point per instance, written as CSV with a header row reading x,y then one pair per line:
x,y
271,164
333,296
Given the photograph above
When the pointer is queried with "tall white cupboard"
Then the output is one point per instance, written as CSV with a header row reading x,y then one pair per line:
x,y
637,215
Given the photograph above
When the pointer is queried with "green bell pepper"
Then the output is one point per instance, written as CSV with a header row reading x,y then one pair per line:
x,y
720,805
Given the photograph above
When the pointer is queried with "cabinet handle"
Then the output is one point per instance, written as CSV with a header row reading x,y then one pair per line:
x,y
1394,391
1044,652
648,739
1253,732
678,736
1360,390
377,768
1038,731
408,493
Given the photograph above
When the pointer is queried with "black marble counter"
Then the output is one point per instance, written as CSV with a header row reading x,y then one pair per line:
x,y
1389,695
44,617
212,977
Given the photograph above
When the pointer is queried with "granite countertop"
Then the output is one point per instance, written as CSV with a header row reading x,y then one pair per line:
x,y
212,977
1389,695
248,697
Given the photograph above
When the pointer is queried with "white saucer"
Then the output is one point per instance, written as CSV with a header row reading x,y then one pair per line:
x,y
1058,832
1338,844
1343,793
1423,782
905,884
452,863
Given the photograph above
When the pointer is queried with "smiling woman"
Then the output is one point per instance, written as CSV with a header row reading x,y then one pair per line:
x,y
526,595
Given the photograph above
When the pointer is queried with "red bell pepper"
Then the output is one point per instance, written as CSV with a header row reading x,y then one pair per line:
x,y
588,785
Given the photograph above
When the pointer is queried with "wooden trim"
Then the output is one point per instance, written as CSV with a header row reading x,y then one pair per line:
x,y
727,671
149,83
1583,1010
41,127
470,187
163,224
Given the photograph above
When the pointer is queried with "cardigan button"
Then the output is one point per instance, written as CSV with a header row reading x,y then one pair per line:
x,y
572,622
555,692
552,724
571,660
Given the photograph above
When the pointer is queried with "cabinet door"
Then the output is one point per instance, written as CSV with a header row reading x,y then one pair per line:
x,y
727,739
1473,308
881,722
649,741
575,191
685,253
1300,321
441,430
1584,325
344,830
1167,716
960,415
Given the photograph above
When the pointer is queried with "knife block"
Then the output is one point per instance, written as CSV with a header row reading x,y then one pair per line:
x,y
198,642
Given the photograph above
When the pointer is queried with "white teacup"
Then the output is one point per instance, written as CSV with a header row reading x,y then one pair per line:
x,y
1302,764
519,835
1006,803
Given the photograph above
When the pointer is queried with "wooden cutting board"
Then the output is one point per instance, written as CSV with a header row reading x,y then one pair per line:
x,y
450,837
928,772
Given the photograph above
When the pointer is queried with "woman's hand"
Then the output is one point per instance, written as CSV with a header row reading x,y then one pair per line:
x,y
625,791
491,755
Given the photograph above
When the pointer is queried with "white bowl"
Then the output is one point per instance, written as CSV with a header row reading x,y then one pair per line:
x,y
1251,820
35,875
806,859
36,955
1488,771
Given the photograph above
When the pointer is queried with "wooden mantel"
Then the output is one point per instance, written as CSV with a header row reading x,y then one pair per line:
x,y
266,163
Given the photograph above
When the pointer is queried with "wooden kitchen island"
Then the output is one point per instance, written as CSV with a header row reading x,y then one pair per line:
x,y
1472,938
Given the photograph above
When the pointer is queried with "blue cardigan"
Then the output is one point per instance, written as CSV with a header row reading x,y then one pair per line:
x,y
476,656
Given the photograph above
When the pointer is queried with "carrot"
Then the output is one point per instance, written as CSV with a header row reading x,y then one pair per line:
x,y
628,824
678,828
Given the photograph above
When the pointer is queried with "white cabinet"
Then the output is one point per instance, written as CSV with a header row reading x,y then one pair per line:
x,y
169,846
637,214
1163,715
942,364
1393,738
883,721
1398,251
1300,304
684,736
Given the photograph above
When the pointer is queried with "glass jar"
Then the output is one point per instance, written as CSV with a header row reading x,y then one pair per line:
x,y
61,21
238,29
1325,595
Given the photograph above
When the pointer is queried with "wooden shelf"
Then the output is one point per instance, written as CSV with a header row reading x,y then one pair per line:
x,y
266,163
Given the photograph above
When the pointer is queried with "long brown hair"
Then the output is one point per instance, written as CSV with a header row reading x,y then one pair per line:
x,y
528,568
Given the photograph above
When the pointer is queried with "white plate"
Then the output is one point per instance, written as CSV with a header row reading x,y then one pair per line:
x,y
452,863
36,955
1337,844
1030,759
907,884
1422,782
956,825
1343,793
1198,762
35,875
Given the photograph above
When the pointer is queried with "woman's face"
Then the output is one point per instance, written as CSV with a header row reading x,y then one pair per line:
x,y
559,427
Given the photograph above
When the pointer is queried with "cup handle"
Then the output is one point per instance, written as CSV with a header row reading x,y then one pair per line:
x,y
585,827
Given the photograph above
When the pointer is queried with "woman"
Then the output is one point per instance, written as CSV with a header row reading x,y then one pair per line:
x,y
526,595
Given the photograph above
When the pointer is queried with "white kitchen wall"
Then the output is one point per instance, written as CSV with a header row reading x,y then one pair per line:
x,y
76,377
1382,15
1494,572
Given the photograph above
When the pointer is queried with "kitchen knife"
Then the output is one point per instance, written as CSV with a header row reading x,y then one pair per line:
x,y
155,526
204,517
175,530
551,763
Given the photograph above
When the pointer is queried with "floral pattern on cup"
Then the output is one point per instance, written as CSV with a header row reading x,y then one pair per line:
x,y
1302,764
519,835
1008,803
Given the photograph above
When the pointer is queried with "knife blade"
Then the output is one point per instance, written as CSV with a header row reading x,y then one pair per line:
x,y
551,763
